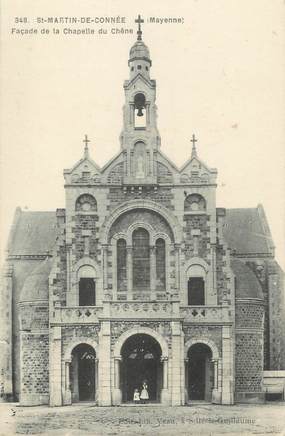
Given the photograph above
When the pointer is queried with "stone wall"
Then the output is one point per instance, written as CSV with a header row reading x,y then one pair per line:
x,y
157,222
162,195
119,327
214,333
59,284
34,369
81,224
79,334
276,315
249,351
201,223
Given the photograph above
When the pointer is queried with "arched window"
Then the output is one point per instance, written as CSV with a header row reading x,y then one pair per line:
x,y
121,265
141,259
160,264
86,203
87,286
196,286
194,202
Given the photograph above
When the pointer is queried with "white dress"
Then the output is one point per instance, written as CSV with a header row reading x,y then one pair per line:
x,y
136,396
144,392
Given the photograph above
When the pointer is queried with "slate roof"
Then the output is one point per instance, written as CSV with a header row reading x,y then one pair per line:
x,y
247,285
34,233
36,284
246,231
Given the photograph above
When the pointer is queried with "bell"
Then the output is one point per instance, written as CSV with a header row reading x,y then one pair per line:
x,y
140,112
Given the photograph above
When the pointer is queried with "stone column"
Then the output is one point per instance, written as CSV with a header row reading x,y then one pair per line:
x,y
68,272
117,397
6,338
105,365
147,114
176,399
55,367
228,362
105,267
117,372
165,372
186,366
153,272
129,272
215,365
96,380
67,393
165,398
177,267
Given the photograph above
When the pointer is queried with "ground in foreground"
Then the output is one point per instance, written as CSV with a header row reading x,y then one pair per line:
x,y
87,419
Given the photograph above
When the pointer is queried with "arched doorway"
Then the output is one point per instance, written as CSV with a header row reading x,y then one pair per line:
x,y
82,373
141,361
200,373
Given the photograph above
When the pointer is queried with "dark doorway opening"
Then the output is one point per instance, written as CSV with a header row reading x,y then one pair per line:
x,y
83,373
87,292
196,291
141,362
200,373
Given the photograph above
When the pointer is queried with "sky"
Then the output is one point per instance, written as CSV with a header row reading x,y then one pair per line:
x,y
220,74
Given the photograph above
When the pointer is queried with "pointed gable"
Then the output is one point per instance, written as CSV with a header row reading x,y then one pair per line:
x,y
84,171
196,171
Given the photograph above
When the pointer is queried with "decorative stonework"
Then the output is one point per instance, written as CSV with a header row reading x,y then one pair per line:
x,y
198,314
118,328
86,203
80,334
213,333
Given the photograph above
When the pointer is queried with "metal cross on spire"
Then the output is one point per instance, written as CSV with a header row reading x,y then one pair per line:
x,y
194,151
86,141
139,20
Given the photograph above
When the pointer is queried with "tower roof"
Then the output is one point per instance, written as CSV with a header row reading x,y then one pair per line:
x,y
139,51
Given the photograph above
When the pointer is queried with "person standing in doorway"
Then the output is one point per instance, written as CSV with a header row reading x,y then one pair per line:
x,y
136,396
144,392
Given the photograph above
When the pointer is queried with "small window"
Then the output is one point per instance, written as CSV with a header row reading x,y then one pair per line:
x,y
132,69
194,202
196,291
87,292
86,202
146,68
139,67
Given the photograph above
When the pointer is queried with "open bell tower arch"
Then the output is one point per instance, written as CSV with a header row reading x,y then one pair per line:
x,y
140,138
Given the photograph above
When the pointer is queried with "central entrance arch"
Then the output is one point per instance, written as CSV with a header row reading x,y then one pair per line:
x,y
141,361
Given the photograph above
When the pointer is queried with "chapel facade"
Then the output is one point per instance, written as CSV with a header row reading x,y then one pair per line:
x,y
140,278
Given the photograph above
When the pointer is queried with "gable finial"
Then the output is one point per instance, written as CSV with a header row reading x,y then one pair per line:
x,y
194,151
139,20
86,150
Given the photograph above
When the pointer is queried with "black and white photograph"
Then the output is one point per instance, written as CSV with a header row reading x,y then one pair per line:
x,y
142,217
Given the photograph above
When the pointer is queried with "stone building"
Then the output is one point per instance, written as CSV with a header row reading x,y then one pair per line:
x,y
140,277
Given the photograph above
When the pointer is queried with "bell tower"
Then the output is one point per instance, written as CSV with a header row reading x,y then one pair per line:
x,y
140,138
